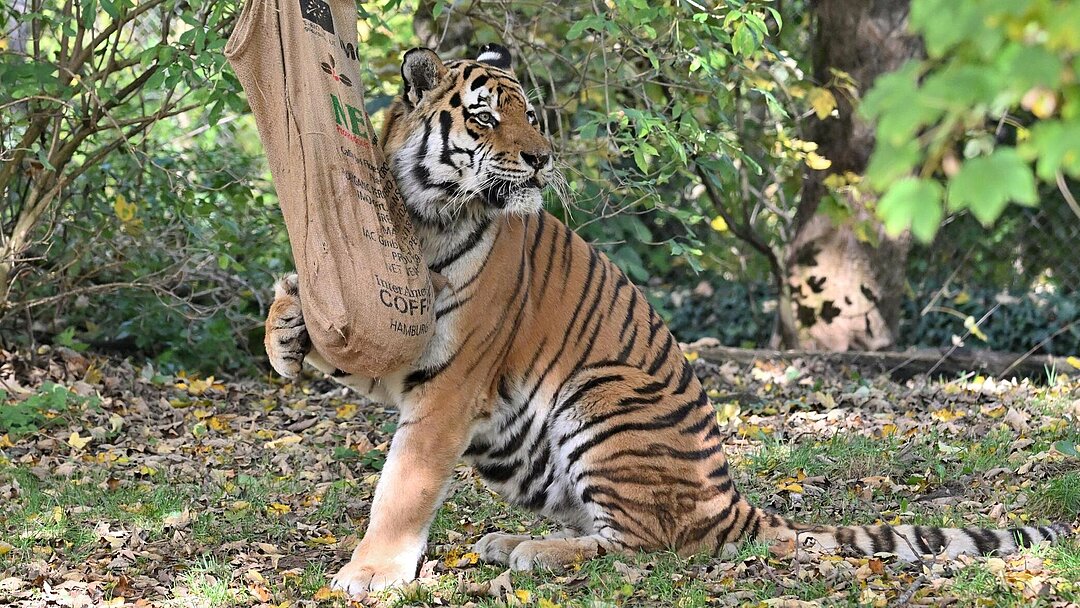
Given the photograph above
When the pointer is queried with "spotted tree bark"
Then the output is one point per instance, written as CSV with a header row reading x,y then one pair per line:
x,y
846,283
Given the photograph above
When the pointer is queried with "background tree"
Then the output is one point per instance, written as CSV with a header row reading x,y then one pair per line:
x,y
846,274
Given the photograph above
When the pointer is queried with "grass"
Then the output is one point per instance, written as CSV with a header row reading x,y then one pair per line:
x,y
205,500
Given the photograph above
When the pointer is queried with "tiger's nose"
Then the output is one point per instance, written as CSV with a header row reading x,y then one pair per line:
x,y
536,161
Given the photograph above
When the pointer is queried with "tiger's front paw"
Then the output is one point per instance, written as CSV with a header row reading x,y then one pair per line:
x,y
286,341
360,575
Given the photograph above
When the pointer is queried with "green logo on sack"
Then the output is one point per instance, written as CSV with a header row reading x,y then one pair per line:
x,y
350,122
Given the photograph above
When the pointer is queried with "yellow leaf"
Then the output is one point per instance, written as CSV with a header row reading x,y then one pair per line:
x,y
346,410
962,298
239,505
5,441
198,387
691,356
823,102
123,209
277,508
753,430
817,162
524,595
467,559
888,429
970,325
78,442
1040,101
546,603
946,415
329,539
835,181
993,411
719,224
57,514
284,441
727,412
220,424
323,594
5,548
792,487
1073,361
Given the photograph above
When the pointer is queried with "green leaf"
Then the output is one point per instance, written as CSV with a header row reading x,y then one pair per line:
x,y
1028,66
914,203
890,162
1055,146
1067,447
89,13
576,30
985,185
744,41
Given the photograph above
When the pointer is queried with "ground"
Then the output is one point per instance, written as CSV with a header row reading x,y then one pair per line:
x,y
120,485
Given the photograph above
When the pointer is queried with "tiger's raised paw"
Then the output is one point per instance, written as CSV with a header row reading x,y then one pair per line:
x,y
286,341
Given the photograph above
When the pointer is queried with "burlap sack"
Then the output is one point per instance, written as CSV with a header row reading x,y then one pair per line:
x,y
364,286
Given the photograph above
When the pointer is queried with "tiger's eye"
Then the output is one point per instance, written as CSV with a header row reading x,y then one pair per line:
x,y
484,118
531,116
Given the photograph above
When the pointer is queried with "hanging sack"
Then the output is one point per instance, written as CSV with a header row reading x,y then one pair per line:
x,y
364,286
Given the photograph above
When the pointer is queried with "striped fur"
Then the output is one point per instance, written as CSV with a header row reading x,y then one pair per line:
x,y
548,371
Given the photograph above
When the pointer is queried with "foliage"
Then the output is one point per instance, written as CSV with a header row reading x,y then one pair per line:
x,y
676,123
1015,322
993,109
932,315
83,85
41,409
732,312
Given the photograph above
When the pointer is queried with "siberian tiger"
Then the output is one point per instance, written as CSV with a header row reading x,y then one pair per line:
x,y
548,370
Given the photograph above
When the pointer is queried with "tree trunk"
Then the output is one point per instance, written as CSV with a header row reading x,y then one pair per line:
x,y
847,276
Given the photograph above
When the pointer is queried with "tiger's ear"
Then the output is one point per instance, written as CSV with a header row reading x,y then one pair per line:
x,y
494,55
421,71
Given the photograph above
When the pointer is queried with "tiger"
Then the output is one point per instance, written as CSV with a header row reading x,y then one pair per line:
x,y
548,370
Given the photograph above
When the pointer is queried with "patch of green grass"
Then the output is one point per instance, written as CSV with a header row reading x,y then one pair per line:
x,y
208,579
841,456
473,504
1058,498
1065,556
975,581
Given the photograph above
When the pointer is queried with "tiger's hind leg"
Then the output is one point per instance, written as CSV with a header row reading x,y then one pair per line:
x,y
496,547
558,552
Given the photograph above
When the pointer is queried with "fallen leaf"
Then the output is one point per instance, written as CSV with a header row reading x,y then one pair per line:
x,y
77,442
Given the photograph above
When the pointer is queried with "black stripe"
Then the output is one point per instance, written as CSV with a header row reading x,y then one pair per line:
x,y
920,540
421,376
498,472
1023,539
846,536
466,246
985,540
937,539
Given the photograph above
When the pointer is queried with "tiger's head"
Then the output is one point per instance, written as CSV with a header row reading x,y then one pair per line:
x,y
463,139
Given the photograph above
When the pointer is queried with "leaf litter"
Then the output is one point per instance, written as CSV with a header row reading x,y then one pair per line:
x,y
148,489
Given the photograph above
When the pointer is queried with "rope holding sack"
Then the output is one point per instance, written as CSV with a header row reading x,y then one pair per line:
x,y
367,295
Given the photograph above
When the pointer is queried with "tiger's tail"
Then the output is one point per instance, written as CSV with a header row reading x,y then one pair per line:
x,y
908,542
